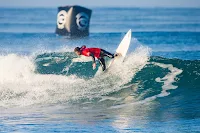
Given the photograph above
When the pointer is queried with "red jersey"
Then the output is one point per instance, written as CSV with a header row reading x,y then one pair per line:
x,y
87,51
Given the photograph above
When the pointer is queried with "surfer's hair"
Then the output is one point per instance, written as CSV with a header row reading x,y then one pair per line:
x,y
77,49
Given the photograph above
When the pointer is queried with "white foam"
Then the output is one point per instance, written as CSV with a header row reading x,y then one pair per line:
x,y
167,81
82,59
21,86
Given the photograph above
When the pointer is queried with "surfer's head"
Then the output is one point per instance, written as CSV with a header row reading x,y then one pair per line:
x,y
77,50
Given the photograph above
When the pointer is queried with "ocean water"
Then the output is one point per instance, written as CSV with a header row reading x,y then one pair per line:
x,y
44,88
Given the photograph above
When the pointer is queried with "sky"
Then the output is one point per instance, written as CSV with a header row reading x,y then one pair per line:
x,y
101,3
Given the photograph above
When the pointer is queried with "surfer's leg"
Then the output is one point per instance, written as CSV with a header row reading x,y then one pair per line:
x,y
102,62
106,53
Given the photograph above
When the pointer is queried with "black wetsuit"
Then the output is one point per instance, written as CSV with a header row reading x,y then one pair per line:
x,y
102,60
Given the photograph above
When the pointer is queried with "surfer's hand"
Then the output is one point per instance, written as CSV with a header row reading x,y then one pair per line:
x,y
94,65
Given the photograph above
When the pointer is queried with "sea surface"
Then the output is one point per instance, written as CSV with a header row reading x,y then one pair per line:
x,y
45,88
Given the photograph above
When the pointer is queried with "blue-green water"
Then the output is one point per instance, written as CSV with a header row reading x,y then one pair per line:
x,y
44,89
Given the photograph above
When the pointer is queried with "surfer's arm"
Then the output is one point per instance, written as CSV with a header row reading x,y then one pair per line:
x,y
83,47
93,59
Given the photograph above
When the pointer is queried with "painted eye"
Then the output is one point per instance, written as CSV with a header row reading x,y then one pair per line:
x,y
61,19
82,21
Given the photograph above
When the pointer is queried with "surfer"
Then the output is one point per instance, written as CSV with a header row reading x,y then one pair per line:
x,y
94,52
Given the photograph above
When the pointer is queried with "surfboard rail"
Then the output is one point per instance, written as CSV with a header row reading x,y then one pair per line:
x,y
122,49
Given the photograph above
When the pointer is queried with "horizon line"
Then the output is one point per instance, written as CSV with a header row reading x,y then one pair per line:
x,y
100,6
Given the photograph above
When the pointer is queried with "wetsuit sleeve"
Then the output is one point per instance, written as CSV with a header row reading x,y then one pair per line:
x,y
93,58
83,47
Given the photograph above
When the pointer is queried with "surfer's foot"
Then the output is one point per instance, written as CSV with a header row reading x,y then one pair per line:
x,y
117,54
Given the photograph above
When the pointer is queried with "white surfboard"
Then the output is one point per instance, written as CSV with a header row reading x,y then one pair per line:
x,y
122,48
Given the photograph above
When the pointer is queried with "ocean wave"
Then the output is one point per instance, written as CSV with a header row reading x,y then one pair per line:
x,y
54,78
